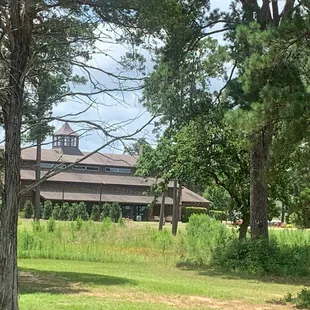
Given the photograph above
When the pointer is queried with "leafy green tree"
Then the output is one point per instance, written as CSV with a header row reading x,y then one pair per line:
x,y
211,153
159,163
136,148
23,24
266,47
219,197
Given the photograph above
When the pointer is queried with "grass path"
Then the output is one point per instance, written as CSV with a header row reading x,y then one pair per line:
x,y
73,285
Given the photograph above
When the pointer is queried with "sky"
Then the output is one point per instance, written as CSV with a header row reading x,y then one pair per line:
x,y
120,110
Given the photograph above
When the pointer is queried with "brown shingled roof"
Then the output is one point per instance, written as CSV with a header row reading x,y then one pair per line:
x,y
130,199
54,155
92,178
187,197
66,130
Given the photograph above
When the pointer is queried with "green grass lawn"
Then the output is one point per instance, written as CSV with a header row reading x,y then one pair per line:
x,y
132,266
59,284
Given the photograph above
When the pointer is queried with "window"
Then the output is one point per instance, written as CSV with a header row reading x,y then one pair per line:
x,y
118,170
52,165
91,168
79,167
66,141
73,141
88,168
56,141
47,165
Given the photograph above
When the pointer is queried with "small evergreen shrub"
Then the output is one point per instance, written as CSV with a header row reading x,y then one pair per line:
x,y
56,211
71,212
78,210
115,212
105,211
47,209
188,211
82,211
64,212
95,213
28,210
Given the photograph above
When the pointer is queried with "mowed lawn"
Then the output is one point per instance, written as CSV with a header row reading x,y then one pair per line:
x,y
59,284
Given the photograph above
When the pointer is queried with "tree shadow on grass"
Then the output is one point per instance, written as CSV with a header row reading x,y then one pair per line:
x,y
267,279
54,282
229,275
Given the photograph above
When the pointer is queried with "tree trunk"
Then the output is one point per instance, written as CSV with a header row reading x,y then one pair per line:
x,y
283,210
243,229
179,201
11,203
162,211
258,191
37,194
175,210
19,38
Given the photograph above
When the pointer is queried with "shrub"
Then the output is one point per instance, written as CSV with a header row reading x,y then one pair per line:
x,y
301,301
78,210
47,209
82,211
28,210
263,257
36,226
56,211
64,212
51,224
163,240
218,215
188,211
106,224
105,211
79,223
115,212
95,213
204,234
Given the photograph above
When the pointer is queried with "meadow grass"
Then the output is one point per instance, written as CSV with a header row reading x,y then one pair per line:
x,y
99,242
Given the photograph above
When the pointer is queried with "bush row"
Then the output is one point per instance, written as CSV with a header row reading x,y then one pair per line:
x,y
71,212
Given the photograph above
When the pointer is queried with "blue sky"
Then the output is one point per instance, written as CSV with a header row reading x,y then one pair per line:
x,y
115,108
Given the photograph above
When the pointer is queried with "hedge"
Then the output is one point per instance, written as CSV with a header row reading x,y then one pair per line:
x,y
218,215
188,211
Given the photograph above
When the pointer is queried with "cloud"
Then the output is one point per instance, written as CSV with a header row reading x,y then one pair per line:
x,y
114,107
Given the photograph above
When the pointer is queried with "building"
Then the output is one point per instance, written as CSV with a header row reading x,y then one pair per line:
x,y
97,179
